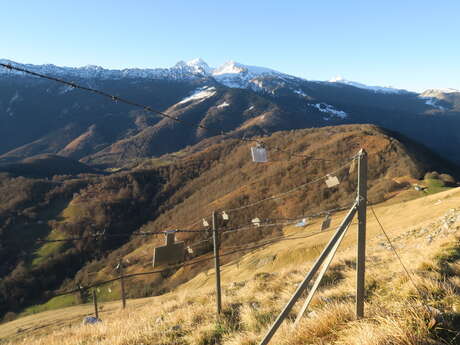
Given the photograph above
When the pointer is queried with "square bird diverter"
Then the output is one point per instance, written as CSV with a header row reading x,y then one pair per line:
x,y
169,254
259,154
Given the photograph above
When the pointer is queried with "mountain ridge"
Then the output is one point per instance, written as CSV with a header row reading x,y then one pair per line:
x,y
43,117
194,68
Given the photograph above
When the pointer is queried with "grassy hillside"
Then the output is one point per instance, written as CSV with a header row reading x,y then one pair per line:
x,y
174,192
424,231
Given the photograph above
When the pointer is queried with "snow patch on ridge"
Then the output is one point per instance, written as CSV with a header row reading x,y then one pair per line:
x,y
329,109
300,92
435,97
433,103
200,94
15,97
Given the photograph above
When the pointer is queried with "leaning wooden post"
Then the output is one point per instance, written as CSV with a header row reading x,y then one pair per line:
x,y
316,266
215,236
361,251
319,278
122,283
96,311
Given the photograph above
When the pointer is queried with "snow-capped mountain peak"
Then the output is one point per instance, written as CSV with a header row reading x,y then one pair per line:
x,y
229,67
237,75
192,67
437,92
199,65
382,89
232,67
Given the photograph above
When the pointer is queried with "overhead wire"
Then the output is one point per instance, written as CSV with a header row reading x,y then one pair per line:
x,y
237,249
255,227
168,269
283,221
105,235
395,252
314,215
193,262
283,194
283,238
279,196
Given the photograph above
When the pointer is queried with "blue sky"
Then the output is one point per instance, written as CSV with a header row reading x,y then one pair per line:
x,y
406,44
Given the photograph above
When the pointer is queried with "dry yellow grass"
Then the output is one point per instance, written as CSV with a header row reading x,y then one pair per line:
x,y
256,288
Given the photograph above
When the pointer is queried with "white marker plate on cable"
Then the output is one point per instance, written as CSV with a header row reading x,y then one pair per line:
x,y
256,221
332,181
259,154
303,222
224,215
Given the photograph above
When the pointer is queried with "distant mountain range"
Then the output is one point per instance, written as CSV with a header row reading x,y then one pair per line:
x,y
42,117
231,73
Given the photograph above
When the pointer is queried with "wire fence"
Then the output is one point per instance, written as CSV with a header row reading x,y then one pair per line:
x,y
236,249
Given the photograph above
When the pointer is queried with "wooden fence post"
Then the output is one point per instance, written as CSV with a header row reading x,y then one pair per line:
x,y
361,249
216,263
122,283
96,311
